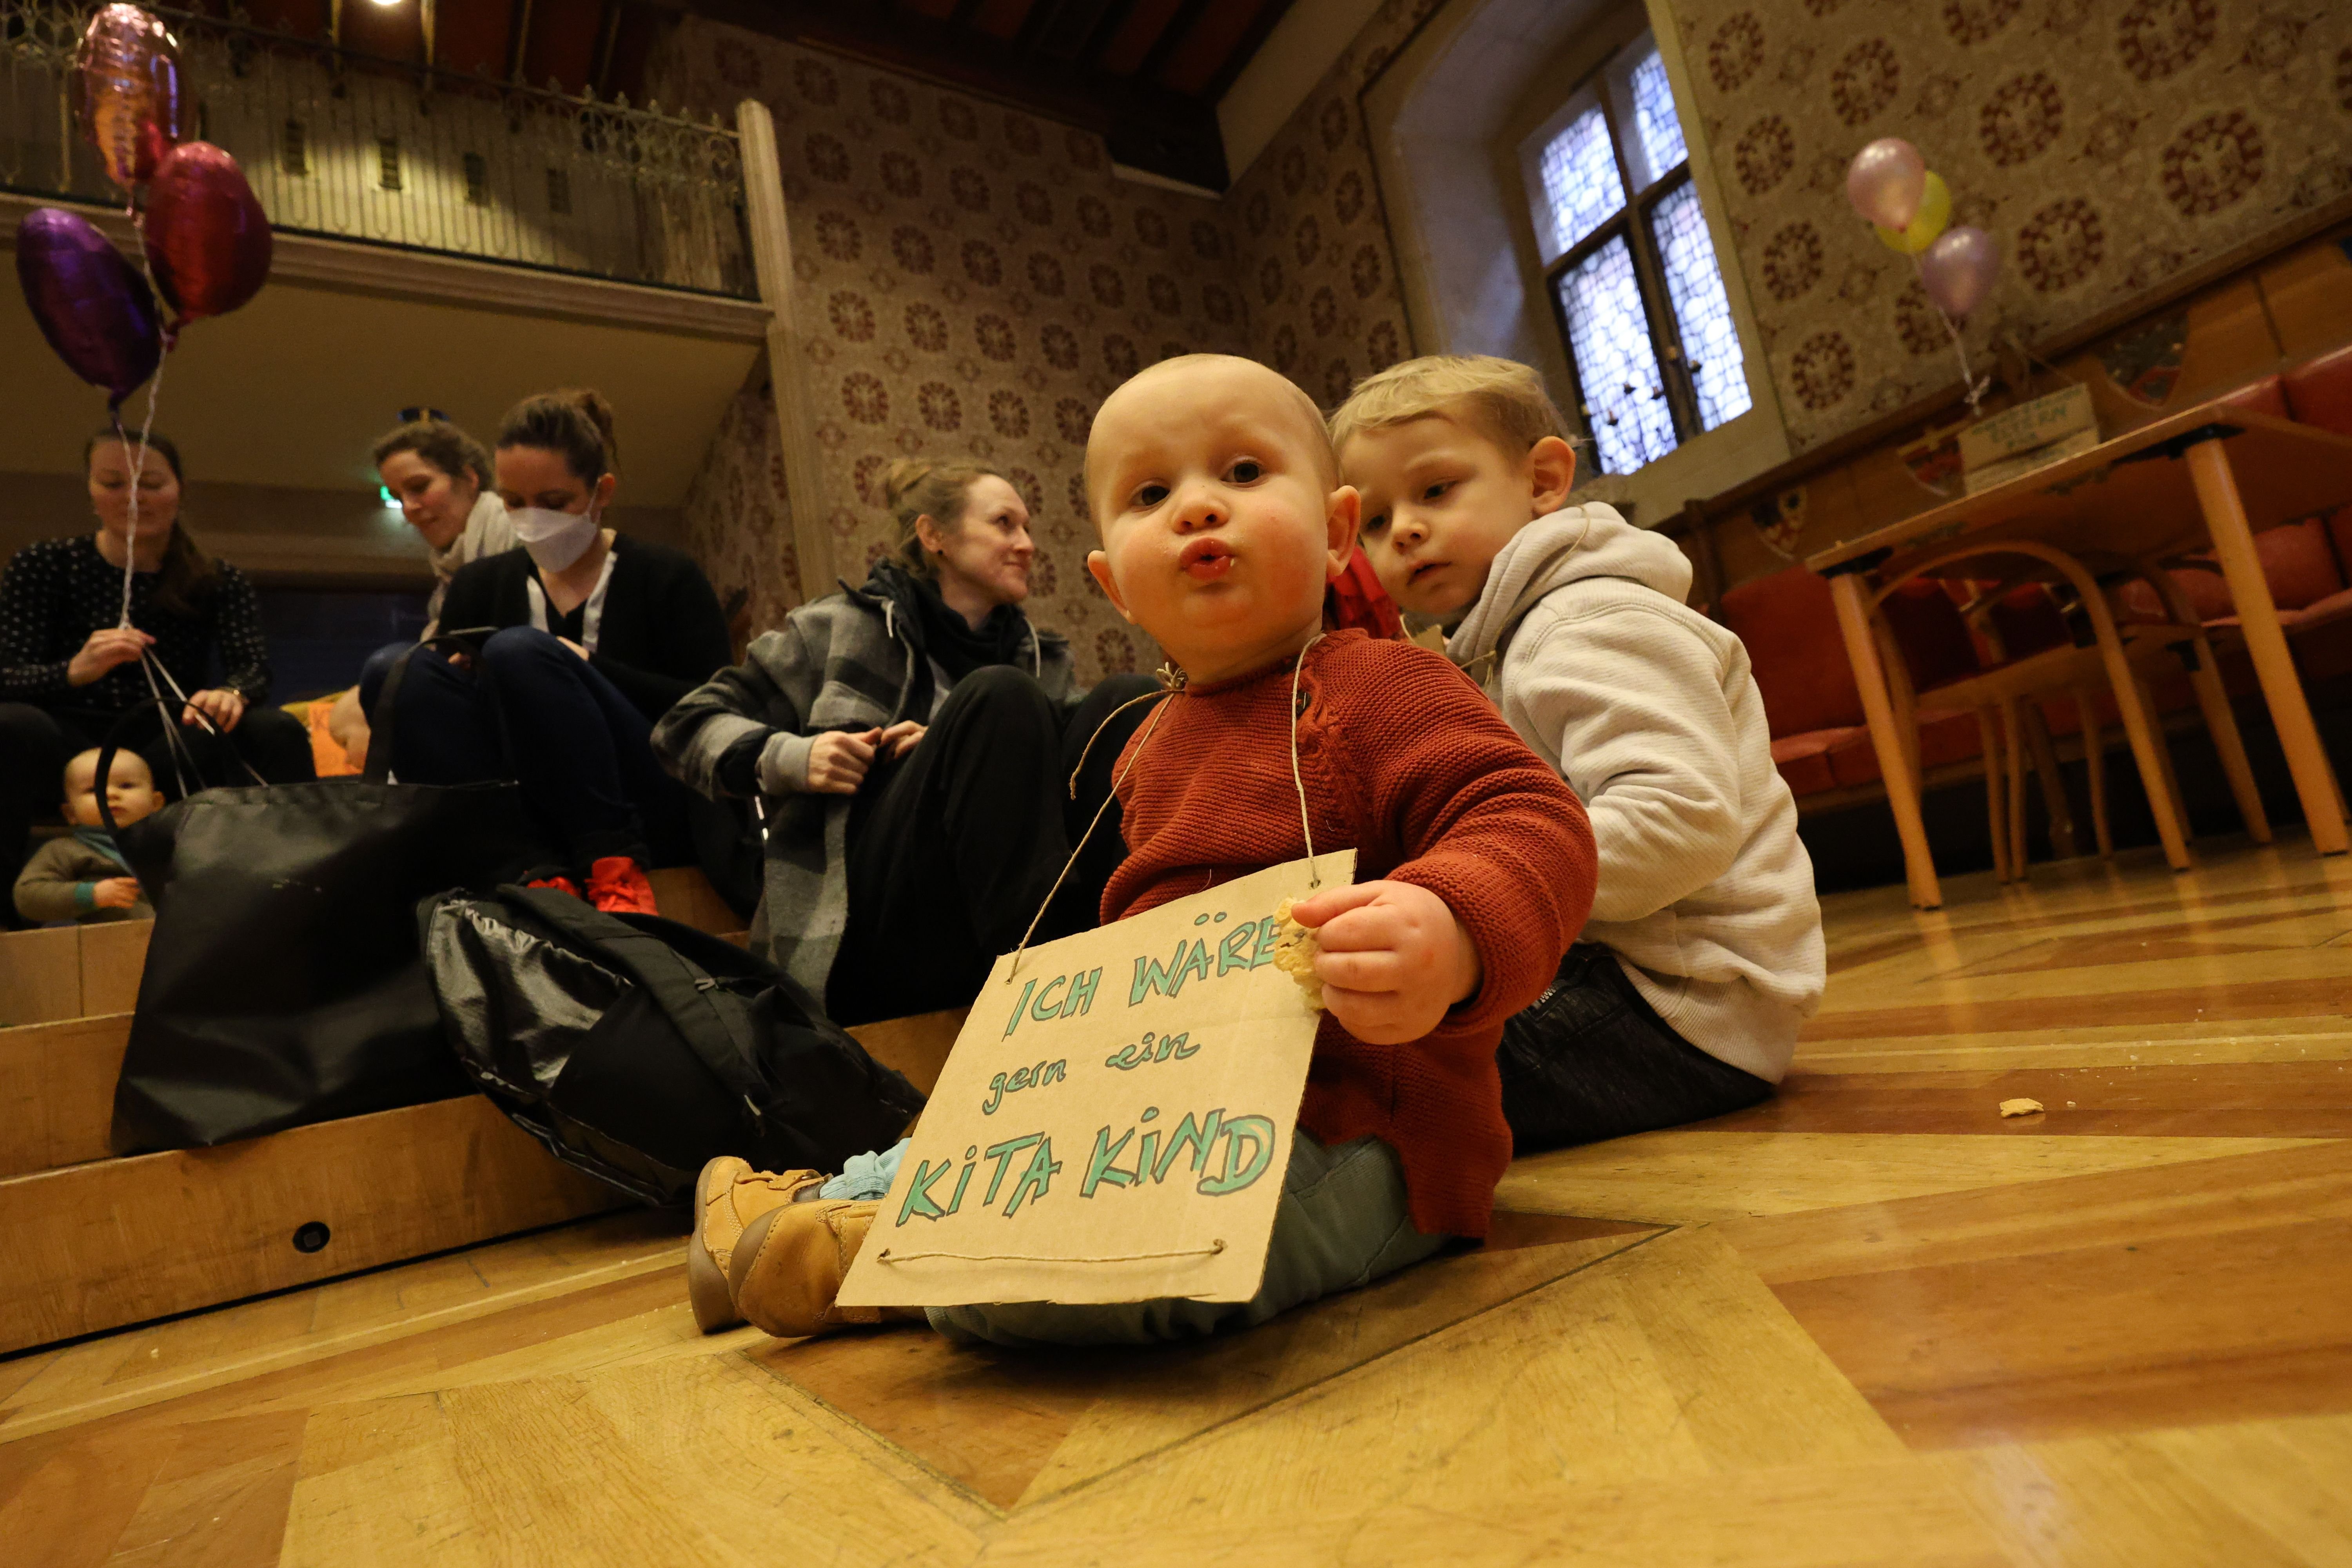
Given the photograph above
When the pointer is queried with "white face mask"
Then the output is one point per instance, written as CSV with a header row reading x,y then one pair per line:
x,y
555,539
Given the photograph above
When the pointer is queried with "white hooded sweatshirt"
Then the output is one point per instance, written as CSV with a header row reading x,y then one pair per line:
x,y
1648,710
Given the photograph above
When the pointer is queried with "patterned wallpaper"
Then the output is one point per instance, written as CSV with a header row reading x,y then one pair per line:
x,y
2105,145
1314,260
976,280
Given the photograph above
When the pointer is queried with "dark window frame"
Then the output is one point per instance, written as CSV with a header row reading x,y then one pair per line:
x,y
1633,222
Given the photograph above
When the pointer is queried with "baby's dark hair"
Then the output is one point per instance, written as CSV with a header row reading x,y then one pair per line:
x,y
575,421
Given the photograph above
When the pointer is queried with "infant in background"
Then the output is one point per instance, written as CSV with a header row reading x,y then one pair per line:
x,y
85,878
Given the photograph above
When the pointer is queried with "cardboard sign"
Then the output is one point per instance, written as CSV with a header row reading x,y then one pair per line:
x,y
2028,426
1115,1120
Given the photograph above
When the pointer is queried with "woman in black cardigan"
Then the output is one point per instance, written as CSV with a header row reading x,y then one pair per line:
x,y
592,636
69,671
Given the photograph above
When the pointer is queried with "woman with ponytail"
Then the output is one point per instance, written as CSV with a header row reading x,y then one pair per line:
x,y
590,637
69,669
912,743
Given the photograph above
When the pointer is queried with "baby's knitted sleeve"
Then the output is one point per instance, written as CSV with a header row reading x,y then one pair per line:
x,y
1482,822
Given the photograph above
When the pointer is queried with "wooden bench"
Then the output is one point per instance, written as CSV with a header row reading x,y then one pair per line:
x,y
71,972
94,1242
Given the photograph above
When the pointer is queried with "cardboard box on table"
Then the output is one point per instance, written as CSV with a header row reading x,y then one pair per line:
x,y
1115,1119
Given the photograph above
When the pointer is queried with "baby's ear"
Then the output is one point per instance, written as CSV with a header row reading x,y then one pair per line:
x,y
1342,510
1099,565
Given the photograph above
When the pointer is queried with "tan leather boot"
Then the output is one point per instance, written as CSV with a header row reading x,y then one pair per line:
x,y
788,1267
728,1197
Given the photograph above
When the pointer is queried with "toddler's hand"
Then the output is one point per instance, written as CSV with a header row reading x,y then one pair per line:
x,y
1395,959
116,893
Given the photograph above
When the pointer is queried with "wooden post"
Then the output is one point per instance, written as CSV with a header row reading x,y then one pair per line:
x,y
771,260
1846,591
2241,568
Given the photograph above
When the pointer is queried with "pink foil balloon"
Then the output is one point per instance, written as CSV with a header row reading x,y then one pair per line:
x,y
1957,270
207,239
126,92
1886,181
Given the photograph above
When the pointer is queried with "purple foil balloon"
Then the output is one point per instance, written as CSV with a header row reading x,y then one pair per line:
x,y
1886,181
1957,270
94,308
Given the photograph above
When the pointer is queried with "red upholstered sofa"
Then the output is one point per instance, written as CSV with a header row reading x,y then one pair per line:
x,y
1820,742
2307,563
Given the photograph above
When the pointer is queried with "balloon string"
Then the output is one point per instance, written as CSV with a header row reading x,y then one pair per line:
x,y
138,472
1974,388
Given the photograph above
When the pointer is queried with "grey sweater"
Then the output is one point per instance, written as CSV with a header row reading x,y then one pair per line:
x,y
843,662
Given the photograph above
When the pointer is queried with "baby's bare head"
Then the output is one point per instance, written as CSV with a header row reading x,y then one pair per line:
x,y
1190,391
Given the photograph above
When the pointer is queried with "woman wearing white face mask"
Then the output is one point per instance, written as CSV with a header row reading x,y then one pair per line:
x,y
597,634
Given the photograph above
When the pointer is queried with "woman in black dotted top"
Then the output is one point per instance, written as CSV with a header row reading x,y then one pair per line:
x,y
67,671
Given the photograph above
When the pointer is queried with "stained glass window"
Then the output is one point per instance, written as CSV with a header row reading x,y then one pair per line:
x,y
1581,179
1632,266
1624,395
1657,128
1710,343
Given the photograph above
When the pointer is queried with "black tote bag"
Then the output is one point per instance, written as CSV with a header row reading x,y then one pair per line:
x,y
284,984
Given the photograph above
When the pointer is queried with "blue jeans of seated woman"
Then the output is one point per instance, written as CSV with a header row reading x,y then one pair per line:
x,y
1344,1221
533,711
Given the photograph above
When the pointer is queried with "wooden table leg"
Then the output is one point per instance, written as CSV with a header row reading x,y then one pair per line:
x,y
2241,568
1846,591
1996,816
2222,726
2095,764
2054,804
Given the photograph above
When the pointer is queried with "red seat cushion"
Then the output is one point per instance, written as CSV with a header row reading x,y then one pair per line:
x,y
2299,562
2029,621
1927,628
1945,738
1803,760
1790,626
2263,396
2319,391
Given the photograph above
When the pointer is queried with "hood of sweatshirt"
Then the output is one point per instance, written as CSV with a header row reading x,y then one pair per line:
x,y
1574,545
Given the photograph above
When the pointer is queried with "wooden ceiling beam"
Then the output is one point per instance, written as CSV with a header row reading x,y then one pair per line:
x,y
1145,124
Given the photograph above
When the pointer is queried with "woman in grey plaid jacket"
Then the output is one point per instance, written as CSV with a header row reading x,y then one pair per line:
x,y
911,744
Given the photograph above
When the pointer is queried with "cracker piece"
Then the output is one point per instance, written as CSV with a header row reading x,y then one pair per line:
x,y
1294,954
2020,1107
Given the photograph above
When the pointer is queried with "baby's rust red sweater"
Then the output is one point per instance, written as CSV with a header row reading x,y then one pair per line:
x,y
1406,762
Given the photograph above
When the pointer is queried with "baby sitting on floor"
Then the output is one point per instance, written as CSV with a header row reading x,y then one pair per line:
x,y
85,878
1221,519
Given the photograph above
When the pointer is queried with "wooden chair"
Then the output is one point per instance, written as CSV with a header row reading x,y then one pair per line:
x,y
2124,659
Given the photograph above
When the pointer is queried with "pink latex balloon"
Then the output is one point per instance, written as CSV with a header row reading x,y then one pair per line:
x,y
1957,270
1886,181
126,92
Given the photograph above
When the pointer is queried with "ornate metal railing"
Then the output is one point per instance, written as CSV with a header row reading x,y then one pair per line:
x,y
352,147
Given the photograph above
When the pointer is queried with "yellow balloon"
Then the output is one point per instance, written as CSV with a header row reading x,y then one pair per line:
x,y
1935,216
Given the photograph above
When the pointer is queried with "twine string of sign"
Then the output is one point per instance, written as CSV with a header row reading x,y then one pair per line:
x,y
887,1255
1173,684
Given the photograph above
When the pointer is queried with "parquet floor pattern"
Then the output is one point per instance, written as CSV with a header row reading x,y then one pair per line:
x,y
1868,1322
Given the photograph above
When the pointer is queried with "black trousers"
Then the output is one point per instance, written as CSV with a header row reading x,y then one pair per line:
x,y
36,743
953,848
1590,1060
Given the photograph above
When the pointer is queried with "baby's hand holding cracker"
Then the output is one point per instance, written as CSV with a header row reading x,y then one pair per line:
x,y
1392,956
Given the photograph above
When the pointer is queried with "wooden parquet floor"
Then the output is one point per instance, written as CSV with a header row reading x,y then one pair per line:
x,y
1870,1322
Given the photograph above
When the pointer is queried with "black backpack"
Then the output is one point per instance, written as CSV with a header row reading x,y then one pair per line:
x,y
636,1049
